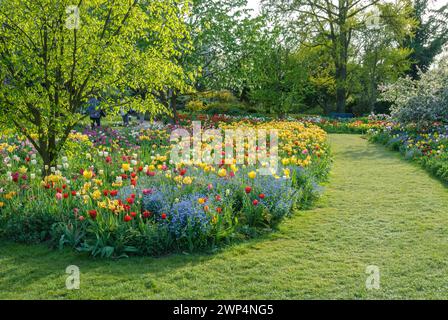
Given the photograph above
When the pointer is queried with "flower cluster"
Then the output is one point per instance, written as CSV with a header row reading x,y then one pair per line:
x,y
427,145
114,192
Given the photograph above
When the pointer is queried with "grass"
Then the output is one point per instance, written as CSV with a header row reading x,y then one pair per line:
x,y
377,210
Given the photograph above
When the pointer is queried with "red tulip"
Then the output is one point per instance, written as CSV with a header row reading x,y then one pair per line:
x,y
93,214
262,196
163,215
255,202
248,189
127,218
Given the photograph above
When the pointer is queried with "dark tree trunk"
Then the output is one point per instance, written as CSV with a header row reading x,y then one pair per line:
x,y
173,104
340,90
49,156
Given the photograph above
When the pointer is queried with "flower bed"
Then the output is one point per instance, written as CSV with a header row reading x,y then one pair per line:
x,y
116,193
427,146
355,126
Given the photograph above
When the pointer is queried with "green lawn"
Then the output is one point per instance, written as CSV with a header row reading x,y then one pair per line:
x,y
377,210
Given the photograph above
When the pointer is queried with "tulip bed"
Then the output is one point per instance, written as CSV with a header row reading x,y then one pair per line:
x,y
355,126
114,192
426,146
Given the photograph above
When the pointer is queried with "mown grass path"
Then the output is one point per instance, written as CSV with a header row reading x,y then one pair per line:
x,y
377,210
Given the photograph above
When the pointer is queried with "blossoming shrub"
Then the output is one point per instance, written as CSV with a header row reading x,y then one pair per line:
x,y
116,193
422,101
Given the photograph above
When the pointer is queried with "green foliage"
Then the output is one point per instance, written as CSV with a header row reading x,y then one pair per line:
x,y
27,227
195,106
52,62
430,37
218,29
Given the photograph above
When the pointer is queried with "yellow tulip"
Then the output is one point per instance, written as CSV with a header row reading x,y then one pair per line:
x,y
87,174
222,172
252,174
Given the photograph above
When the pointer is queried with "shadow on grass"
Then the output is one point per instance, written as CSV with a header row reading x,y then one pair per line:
x,y
35,262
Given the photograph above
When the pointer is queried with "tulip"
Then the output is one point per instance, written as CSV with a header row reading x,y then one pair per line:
x,y
252,174
93,214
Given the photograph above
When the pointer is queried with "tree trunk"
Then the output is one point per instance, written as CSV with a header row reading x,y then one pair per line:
x,y
341,94
49,159
173,104
49,156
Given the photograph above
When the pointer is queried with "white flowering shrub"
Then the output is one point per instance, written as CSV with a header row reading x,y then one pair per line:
x,y
420,101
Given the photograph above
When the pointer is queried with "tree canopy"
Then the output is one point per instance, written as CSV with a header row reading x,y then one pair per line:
x,y
55,56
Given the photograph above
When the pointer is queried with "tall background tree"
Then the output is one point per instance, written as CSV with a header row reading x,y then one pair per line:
x,y
333,25
431,35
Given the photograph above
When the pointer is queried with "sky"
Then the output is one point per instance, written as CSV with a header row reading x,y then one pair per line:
x,y
254,4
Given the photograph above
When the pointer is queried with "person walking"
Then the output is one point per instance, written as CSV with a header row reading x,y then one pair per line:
x,y
125,116
95,112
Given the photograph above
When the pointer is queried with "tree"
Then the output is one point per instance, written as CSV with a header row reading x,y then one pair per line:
x,y
276,78
55,56
211,58
381,54
333,24
430,37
